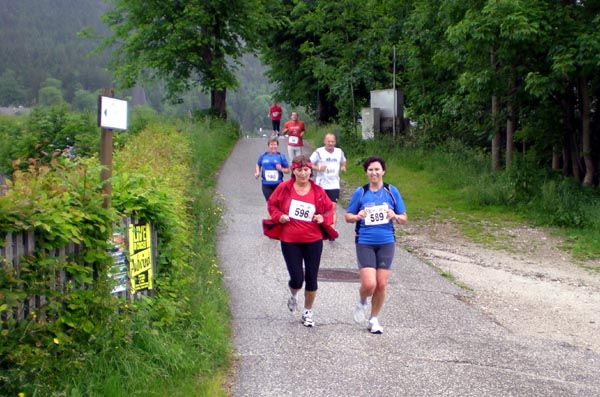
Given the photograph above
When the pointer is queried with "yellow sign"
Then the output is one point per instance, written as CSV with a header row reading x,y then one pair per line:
x,y
140,257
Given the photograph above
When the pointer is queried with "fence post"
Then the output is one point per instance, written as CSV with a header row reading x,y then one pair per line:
x,y
106,154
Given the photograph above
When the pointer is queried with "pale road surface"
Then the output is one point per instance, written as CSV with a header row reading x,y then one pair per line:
x,y
434,343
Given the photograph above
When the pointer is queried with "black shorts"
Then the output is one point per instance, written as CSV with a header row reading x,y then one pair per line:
x,y
375,256
333,194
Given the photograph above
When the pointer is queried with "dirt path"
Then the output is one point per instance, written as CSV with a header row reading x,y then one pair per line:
x,y
535,289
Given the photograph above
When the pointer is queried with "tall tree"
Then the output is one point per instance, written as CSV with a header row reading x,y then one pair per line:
x,y
183,42
12,92
505,31
283,36
566,81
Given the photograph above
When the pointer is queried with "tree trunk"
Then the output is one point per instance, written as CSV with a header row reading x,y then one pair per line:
x,y
510,132
556,157
496,138
570,166
218,104
326,111
584,93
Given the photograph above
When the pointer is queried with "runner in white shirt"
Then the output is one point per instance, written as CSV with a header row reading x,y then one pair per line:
x,y
328,161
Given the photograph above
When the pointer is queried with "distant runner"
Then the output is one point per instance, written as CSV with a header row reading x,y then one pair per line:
x,y
373,207
328,161
295,131
271,166
275,116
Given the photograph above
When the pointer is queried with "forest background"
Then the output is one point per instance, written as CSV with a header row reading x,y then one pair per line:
x,y
505,76
502,96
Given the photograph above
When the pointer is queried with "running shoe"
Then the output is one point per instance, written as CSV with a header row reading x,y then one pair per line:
x,y
292,303
374,327
307,318
360,313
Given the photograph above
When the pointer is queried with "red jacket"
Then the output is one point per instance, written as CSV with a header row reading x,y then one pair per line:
x,y
279,204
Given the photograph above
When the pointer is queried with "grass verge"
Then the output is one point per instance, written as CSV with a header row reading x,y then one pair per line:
x,y
179,341
453,183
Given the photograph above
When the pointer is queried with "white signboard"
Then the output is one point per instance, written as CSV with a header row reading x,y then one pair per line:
x,y
112,113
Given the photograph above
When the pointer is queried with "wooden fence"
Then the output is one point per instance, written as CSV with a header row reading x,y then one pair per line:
x,y
16,247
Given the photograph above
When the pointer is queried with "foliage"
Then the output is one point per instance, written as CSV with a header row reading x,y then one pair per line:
x,y
250,101
12,92
183,43
10,129
61,204
536,61
452,181
180,338
141,117
164,174
50,96
47,131
85,101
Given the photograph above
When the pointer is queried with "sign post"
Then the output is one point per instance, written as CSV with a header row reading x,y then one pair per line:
x,y
112,114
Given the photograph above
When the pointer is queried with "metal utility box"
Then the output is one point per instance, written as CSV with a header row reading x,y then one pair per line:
x,y
370,122
387,101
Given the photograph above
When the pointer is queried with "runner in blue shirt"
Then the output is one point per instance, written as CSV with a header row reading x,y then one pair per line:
x,y
374,207
271,166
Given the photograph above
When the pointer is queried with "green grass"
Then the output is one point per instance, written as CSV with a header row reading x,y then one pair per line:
x,y
181,341
453,183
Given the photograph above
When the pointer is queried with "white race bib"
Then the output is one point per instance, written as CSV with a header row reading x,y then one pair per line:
x,y
271,175
301,210
293,139
376,215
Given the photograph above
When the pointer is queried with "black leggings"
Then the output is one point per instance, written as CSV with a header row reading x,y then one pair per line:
x,y
276,124
293,254
268,190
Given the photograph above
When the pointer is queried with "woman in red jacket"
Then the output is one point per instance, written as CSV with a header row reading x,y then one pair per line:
x,y
302,207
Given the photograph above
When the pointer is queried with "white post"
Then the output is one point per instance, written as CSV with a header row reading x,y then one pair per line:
x,y
394,93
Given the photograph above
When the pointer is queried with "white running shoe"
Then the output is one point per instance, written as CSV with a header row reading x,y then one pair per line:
x,y
360,313
374,327
292,303
307,318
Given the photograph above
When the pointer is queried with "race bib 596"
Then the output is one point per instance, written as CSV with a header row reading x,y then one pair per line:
x,y
301,210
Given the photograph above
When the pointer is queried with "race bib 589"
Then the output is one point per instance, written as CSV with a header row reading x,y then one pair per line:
x,y
376,215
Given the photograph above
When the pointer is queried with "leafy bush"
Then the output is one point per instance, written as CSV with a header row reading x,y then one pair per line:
x,y
60,202
564,203
48,131
94,341
141,117
10,130
181,336
50,96
85,101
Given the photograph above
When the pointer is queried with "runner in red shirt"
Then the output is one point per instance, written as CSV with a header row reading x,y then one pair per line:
x,y
275,116
303,208
295,131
